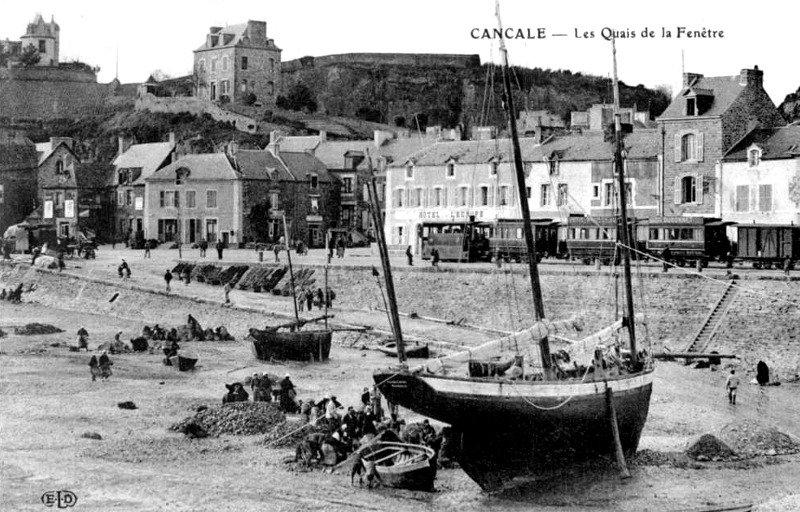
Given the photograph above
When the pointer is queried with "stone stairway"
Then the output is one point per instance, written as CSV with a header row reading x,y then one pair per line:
x,y
714,319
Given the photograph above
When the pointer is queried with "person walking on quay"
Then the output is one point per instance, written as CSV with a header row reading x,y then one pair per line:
x,y
124,270
147,248
83,339
168,279
410,256
187,275
227,292
309,299
435,258
203,247
220,247
787,266
105,366
301,301
94,368
277,250
666,256
731,384
287,395
329,296
61,264
320,298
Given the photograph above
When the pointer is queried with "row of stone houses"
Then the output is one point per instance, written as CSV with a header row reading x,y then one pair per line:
x,y
721,149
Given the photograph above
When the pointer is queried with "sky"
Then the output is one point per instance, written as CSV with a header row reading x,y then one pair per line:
x,y
148,35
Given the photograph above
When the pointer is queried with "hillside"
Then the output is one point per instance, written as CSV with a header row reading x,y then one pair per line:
x,y
450,93
790,108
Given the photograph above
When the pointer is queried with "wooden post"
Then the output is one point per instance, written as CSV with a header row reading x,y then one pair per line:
x,y
612,418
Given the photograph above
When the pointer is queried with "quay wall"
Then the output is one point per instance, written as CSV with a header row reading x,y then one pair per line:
x,y
762,322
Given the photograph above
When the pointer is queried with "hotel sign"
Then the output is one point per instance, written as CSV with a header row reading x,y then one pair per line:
x,y
451,214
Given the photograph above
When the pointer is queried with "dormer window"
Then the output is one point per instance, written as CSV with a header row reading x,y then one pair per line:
x,y
754,157
314,181
494,165
552,165
691,106
410,171
451,169
59,166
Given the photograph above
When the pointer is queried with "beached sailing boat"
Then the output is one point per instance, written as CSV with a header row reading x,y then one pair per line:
x,y
294,344
545,419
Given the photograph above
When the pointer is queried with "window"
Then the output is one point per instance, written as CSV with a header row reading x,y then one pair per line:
x,y
2,194
595,191
315,206
418,197
244,62
628,193
59,166
437,197
654,234
691,106
610,192
128,197
270,88
503,195
211,230
42,46
213,65
314,181
121,198
213,93
211,198
528,192
545,195
493,168
398,197
563,196
765,198
485,196
451,170
225,87
224,63
463,196
201,65
688,186
347,185
168,199
191,199
271,66
410,171
552,166
688,147
243,86
273,200
753,157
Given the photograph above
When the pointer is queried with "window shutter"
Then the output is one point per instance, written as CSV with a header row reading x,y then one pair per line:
x,y
699,147
677,147
444,196
161,197
698,189
677,191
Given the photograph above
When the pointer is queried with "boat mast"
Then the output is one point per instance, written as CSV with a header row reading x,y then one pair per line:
x,y
623,210
536,290
291,273
394,316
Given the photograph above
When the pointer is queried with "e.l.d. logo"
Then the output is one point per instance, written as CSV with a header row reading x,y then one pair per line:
x,y
60,499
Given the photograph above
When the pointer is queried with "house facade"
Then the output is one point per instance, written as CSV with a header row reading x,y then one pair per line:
x,y
45,38
58,185
236,61
194,198
18,177
132,166
760,178
706,118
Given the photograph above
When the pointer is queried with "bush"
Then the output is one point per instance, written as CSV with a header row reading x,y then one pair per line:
x,y
249,98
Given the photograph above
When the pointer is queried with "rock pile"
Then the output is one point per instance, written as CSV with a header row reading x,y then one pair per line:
x,y
237,418
752,439
35,328
710,448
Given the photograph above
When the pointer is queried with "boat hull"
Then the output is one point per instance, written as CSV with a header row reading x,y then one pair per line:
x,y
523,430
418,352
183,364
295,346
416,474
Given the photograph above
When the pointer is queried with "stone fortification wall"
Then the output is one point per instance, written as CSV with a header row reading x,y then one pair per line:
x,y
48,73
46,99
390,59
197,107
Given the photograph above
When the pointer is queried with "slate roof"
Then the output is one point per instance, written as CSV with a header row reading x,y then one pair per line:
x,y
775,143
298,144
207,166
299,164
255,163
147,157
45,149
725,90
331,153
238,33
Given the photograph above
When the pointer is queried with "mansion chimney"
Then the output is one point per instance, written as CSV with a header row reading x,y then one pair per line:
x,y
688,78
751,77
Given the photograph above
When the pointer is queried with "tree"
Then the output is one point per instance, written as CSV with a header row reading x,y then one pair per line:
x,y
259,221
29,56
299,97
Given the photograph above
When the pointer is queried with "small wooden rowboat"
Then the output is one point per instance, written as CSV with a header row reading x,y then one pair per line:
x,y
402,465
293,345
415,351
183,363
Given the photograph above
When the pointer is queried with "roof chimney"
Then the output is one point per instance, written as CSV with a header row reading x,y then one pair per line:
x,y
688,78
751,77
323,135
